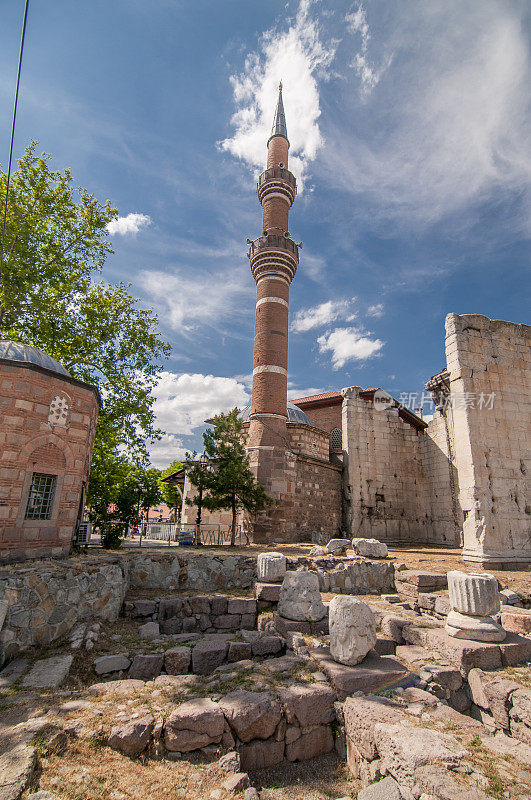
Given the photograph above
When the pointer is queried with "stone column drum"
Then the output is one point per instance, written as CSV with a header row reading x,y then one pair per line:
x,y
271,567
473,599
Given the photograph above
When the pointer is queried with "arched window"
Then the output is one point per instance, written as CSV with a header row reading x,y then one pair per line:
x,y
336,439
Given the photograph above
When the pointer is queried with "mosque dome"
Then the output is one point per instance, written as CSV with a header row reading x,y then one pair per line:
x,y
16,351
295,415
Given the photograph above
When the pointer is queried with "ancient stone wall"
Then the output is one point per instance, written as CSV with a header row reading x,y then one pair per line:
x,y
385,475
438,460
47,426
326,417
489,366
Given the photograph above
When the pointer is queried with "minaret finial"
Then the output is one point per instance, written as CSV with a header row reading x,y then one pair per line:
x,y
279,120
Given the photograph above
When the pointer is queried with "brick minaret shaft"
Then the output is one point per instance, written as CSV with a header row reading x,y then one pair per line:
x,y
273,258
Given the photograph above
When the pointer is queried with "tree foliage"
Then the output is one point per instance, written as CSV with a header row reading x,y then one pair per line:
x,y
56,244
228,480
170,493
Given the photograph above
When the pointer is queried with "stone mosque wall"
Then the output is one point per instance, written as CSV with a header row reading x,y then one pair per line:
x,y
490,385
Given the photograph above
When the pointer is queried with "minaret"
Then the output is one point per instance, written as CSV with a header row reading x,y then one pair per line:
x,y
273,257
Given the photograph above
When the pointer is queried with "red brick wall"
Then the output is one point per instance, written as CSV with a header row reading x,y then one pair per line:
x,y
325,417
34,439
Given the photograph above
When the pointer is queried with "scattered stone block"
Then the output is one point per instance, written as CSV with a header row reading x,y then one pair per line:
x,y
267,592
48,673
251,715
239,651
112,663
392,625
352,629
144,608
219,605
132,738
271,567
476,629
172,626
207,655
509,597
300,598
266,645
318,551
462,653
177,660
236,783
370,548
230,762
227,621
123,687
241,605
391,598
261,755
307,705
373,674
411,582
385,647
337,546
146,666
361,715
169,607
404,748
150,630
194,724
310,744
517,621
16,771
285,626
386,789
515,650
12,672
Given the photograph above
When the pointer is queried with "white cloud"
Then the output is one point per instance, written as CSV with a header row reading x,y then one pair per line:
x,y
183,402
348,344
129,225
447,129
367,72
322,314
375,310
298,57
188,298
167,449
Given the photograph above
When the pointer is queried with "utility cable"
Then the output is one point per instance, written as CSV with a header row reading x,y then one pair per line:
x,y
23,36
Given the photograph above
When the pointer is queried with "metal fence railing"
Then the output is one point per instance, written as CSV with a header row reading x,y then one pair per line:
x,y
170,534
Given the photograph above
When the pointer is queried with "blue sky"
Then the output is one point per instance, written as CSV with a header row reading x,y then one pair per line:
x,y
409,130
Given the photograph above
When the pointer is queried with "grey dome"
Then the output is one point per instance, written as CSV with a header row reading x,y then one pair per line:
x,y
16,351
295,415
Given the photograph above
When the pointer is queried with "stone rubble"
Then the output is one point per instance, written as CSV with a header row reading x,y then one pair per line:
x,y
271,567
370,548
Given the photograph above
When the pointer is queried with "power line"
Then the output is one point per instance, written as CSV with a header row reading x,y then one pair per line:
x,y
13,134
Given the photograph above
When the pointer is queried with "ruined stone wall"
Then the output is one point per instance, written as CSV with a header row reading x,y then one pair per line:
x,y
386,482
489,365
438,460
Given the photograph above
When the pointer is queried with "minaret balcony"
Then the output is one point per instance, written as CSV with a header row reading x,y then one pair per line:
x,y
277,182
273,254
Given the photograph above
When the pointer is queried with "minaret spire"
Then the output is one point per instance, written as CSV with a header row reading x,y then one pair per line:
x,y
274,257
279,120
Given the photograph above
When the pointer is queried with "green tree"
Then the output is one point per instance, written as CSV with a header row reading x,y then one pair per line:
x,y
230,483
56,244
170,493
138,491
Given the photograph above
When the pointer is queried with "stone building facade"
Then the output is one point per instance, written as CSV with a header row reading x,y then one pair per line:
x,y
47,427
357,466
